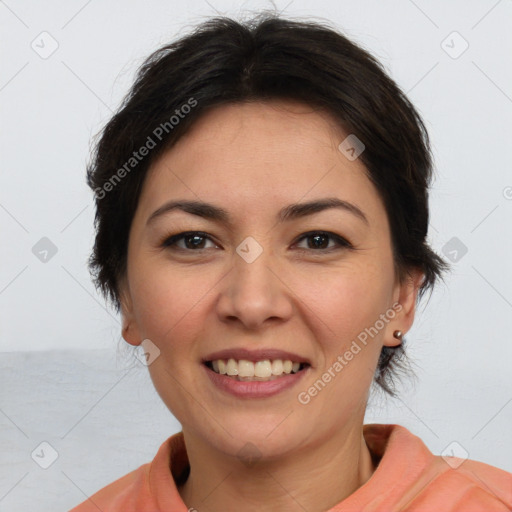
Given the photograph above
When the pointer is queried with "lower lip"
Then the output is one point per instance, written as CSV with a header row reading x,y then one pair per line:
x,y
255,388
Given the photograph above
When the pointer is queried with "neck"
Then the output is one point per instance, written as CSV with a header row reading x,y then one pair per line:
x,y
313,477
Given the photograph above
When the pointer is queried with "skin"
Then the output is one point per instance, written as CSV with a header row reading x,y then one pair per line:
x,y
252,159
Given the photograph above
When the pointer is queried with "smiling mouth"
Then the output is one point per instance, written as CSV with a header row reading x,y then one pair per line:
x,y
265,370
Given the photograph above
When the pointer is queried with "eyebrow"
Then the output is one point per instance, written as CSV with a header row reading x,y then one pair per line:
x,y
288,213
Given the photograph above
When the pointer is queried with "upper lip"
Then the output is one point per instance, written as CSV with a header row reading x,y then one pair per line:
x,y
255,355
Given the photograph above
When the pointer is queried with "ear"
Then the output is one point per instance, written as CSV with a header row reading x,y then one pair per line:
x,y
405,295
130,330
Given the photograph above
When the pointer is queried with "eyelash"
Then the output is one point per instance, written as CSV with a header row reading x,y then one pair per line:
x,y
342,243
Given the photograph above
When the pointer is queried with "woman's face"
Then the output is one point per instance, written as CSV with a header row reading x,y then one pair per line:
x,y
253,281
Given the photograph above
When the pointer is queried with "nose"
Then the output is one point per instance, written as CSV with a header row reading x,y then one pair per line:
x,y
254,295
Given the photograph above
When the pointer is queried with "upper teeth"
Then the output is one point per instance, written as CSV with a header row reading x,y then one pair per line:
x,y
244,368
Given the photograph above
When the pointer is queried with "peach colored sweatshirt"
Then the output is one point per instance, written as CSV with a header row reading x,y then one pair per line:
x,y
408,478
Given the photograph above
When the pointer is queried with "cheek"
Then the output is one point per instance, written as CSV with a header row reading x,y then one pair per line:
x,y
343,302
170,306
168,302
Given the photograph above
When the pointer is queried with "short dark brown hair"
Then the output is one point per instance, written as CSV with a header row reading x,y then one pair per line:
x,y
224,61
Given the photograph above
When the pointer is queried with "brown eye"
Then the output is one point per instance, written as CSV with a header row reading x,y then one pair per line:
x,y
192,240
318,241
323,240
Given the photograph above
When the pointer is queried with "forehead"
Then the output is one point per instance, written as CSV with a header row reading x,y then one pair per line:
x,y
253,155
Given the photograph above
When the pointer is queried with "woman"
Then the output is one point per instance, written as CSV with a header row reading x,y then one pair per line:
x,y
262,212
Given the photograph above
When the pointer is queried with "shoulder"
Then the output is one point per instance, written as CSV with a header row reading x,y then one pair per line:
x,y
466,485
149,488
454,484
410,477
121,495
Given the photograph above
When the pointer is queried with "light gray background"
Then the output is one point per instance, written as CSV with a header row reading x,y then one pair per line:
x,y
61,381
